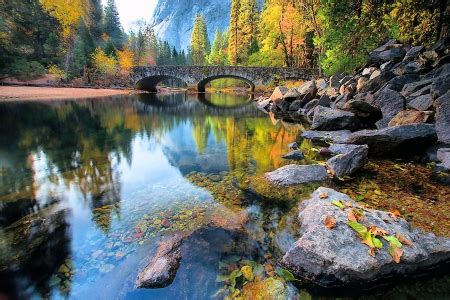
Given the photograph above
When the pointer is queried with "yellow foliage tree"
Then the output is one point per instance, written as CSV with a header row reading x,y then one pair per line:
x,y
106,64
125,58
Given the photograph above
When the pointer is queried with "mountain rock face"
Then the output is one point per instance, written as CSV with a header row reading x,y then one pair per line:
x,y
173,19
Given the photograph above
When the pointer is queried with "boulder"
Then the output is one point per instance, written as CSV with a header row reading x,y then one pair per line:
x,y
403,139
423,102
291,95
440,86
283,105
307,91
310,105
324,101
376,83
340,101
368,71
321,84
294,155
413,53
394,53
411,67
334,119
391,103
263,104
375,74
349,159
361,82
443,155
295,105
397,83
278,94
163,267
293,146
365,111
442,105
335,80
337,258
326,136
296,174
406,117
413,87
387,66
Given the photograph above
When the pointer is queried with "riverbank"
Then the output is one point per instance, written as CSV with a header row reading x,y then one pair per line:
x,y
19,93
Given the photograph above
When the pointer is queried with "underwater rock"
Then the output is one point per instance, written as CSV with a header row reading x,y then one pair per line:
x,y
296,174
404,139
349,159
228,219
326,136
269,288
295,155
337,257
163,267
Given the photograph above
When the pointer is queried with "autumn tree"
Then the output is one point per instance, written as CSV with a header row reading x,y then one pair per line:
x,y
233,38
126,60
199,41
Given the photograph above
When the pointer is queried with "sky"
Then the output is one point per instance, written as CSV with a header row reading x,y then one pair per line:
x,y
133,10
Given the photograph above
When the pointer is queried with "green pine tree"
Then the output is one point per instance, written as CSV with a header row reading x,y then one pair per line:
x,y
112,25
199,41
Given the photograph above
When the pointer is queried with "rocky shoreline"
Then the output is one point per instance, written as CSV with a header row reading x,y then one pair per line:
x,y
398,105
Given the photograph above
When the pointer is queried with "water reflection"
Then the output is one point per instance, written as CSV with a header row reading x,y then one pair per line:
x,y
78,176
87,187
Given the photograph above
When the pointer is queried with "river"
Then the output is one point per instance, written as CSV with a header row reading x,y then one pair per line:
x,y
89,187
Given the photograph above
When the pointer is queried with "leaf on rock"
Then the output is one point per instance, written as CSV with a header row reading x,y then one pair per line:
x,y
371,252
393,240
359,228
403,239
394,214
395,252
323,195
338,204
377,231
356,214
330,222
377,243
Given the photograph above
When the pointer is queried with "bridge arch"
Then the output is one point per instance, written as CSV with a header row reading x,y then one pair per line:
x,y
150,83
201,86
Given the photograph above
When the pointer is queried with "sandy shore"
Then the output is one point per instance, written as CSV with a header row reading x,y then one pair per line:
x,y
14,93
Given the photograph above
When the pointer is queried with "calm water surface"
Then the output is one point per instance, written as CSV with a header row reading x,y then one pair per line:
x,y
89,187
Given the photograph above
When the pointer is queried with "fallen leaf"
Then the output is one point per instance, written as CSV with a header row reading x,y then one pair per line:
x,y
395,252
356,214
287,275
392,240
351,216
394,214
248,273
348,204
403,240
330,222
371,252
323,195
377,243
359,228
377,231
338,204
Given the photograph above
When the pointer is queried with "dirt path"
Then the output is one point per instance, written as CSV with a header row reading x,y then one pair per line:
x,y
15,93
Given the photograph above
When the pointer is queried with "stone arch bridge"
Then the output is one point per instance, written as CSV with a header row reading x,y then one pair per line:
x,y
147,78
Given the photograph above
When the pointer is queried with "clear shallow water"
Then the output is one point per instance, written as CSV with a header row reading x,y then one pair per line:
x,y
88,188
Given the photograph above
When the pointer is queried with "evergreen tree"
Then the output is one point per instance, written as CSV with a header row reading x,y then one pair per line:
x,y
247,23
199,41
218,55
112,26
95,20
234,32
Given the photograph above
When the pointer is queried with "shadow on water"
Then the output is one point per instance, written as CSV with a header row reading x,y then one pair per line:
x,y
88,187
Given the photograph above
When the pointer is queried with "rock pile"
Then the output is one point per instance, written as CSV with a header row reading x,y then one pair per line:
x,y
399,86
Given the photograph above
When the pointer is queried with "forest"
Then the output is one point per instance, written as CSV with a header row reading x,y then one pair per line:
x,y
82,40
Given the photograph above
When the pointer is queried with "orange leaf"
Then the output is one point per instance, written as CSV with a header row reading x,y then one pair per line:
x,y
394,213
396,253
348,204
371,252
377,230
330,222
351,216
403,240
323,195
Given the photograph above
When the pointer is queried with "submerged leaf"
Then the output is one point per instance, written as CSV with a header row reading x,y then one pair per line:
x,y
288,276
330,222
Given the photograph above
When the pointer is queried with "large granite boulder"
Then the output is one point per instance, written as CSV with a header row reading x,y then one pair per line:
x,y
334,119
349,159
440,85
403,139
423,102
394,53
326,136
307,91
365,111
278,94
413,87
442,105
391,103
296,174
337,257
163,267
376,83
